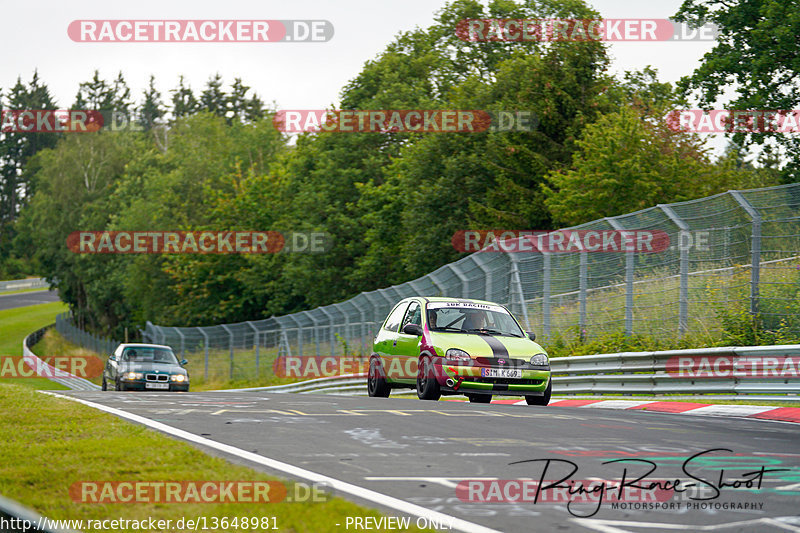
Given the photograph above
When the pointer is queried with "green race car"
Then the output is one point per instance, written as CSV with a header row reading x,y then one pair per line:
x,y
445,346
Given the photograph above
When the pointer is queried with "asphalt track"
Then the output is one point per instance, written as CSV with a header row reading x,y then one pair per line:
x,y
22,299
419,451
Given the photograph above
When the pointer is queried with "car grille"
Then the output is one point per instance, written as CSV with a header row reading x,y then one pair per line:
x,y
495,362
509,381
156,377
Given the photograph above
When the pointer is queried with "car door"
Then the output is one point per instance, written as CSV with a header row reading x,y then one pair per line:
x,y
386,340
407,346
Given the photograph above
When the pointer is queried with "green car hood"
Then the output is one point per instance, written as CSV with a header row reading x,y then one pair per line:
x,y
482,345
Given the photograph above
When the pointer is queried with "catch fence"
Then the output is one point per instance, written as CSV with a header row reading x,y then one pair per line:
x,y
730,255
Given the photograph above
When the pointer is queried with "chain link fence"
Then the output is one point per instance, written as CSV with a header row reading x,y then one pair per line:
x,y
67,328
733,253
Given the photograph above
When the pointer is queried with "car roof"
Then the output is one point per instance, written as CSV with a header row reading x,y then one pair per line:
x,y
446,299
143,345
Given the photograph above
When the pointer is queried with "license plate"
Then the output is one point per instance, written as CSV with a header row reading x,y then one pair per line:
x,y
149,385
501,373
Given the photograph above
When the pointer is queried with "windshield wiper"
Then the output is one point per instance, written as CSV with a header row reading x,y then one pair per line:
x,y
448,328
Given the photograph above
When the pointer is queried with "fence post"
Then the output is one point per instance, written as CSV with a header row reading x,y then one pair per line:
x,y
464,281
629,272
755,249
331,337
230,344
683,297
316,331
516,287
487,276
546,290
205,337
256,339
178,331
583,281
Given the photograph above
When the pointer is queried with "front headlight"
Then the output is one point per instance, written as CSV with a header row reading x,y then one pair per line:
x,y
177,377
133,375
540,359
454,354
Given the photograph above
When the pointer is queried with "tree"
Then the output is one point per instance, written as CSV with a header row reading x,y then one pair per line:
x,y
756,57
183,101
152,108
626,162
213,98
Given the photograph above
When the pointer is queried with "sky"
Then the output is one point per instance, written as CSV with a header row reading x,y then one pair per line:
x,y
294,75
285,75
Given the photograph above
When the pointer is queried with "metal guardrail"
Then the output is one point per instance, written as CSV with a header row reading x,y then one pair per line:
x,y
648,372
18,284
631,373
68,380
344,384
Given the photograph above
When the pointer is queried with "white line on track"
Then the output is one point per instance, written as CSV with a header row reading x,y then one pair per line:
x,y
342,486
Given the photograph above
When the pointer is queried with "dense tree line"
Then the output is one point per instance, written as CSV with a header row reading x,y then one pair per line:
x,y
390,201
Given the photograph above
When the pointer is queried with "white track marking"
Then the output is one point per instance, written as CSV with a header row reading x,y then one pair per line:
x,y
342,486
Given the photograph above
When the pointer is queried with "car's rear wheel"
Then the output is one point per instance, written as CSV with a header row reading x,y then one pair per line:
x,y
104,385
479,398
377,387
541,400
427,386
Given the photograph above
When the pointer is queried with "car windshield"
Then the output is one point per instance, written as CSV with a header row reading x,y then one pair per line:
x,y
148,354
472,318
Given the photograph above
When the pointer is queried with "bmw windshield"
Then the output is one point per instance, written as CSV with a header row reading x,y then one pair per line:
x,y
144,354
458,317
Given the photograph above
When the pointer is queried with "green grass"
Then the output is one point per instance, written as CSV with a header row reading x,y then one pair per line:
x,y
56,442
16,324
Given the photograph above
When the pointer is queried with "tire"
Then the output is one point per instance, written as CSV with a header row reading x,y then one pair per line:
x,y
377,387
104,386
541,400
427,386
479,398
118,386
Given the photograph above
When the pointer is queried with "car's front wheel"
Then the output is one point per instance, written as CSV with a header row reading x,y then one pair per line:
x,y
427,386
118,386
377,387
479,398
541,400
104,385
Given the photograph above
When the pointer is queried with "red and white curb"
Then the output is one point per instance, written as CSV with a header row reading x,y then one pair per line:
x,y
761,412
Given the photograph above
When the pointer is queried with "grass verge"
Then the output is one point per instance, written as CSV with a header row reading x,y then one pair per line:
x,y
15,325
56,442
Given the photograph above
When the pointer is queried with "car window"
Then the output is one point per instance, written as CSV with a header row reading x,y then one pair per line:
x,y
395,317
413,316
469,317
149,354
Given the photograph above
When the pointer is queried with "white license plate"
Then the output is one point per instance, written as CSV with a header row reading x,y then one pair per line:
x,y
513,373
149,385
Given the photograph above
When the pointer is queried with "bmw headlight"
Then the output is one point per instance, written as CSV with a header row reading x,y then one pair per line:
x,y
177,377
133,375
454,354
540,359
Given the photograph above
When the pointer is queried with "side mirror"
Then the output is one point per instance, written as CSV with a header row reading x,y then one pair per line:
x,y
112,357
532,335
184,362
412,329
